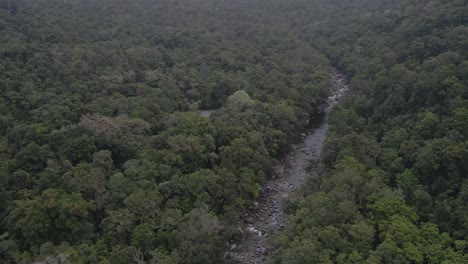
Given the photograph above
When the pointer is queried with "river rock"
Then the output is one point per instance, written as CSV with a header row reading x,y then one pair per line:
x,y
266,217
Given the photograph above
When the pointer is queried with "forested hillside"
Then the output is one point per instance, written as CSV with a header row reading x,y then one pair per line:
x,y
394,170
103,156
105,159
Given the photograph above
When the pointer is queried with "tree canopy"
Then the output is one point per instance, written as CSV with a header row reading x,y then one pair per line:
x,y
104,158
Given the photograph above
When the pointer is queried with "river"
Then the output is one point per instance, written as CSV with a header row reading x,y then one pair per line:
x,y
267,216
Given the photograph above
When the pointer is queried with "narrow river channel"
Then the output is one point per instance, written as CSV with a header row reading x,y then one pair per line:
x,y
267,216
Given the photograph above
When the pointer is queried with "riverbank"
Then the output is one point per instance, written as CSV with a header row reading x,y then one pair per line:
x,y
267,215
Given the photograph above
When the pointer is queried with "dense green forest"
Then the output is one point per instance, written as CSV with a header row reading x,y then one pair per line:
x,y
394,183
104,158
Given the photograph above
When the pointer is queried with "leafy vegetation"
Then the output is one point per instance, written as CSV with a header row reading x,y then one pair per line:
x,y
394,171
104,158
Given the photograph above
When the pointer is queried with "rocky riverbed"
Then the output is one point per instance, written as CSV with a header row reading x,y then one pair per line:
x,y
267,216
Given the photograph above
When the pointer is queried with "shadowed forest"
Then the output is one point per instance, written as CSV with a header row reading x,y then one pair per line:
x,y
104,157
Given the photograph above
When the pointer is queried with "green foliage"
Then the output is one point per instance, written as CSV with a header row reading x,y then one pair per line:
x,y
97,103
404,123
53,215
102,158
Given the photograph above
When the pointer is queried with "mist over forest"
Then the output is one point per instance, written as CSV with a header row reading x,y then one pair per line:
x,y
145,131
